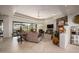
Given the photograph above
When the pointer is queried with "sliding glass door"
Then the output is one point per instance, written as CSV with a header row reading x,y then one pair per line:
x,y
25,27
1,27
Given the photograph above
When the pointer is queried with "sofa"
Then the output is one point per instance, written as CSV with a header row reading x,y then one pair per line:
x,y
34,37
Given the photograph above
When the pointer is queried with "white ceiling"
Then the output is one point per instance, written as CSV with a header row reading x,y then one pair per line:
x,y
45,11
41,11
71,9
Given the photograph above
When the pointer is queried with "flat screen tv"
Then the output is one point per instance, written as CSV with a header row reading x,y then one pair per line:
x,y
50,26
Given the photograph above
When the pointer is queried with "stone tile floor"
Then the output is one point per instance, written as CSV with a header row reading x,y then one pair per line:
x,y
45,46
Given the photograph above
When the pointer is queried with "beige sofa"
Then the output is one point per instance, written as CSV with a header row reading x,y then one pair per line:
x,y
34,37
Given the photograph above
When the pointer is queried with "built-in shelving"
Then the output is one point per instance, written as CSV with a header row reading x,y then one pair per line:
x,y
74,35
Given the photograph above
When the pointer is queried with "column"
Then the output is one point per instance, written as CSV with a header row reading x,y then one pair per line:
x,y
7,26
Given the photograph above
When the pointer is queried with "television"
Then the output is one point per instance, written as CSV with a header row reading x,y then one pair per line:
x,y
50,26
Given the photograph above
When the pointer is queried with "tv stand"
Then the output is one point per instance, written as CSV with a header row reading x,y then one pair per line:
x,y
49,31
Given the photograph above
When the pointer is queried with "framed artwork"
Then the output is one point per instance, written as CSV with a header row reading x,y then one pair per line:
x,y
76,19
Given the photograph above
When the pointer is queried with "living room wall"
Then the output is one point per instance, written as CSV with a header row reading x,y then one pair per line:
x,y
52,20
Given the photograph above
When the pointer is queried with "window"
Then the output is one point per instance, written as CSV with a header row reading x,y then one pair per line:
x,y
1,27
25,26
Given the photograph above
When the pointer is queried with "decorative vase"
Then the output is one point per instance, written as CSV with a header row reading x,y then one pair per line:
x,y
55,40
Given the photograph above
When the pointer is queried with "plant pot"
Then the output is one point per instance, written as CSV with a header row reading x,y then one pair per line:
x,y
55,40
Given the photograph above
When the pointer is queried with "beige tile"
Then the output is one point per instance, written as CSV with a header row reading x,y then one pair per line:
x,y
46,45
